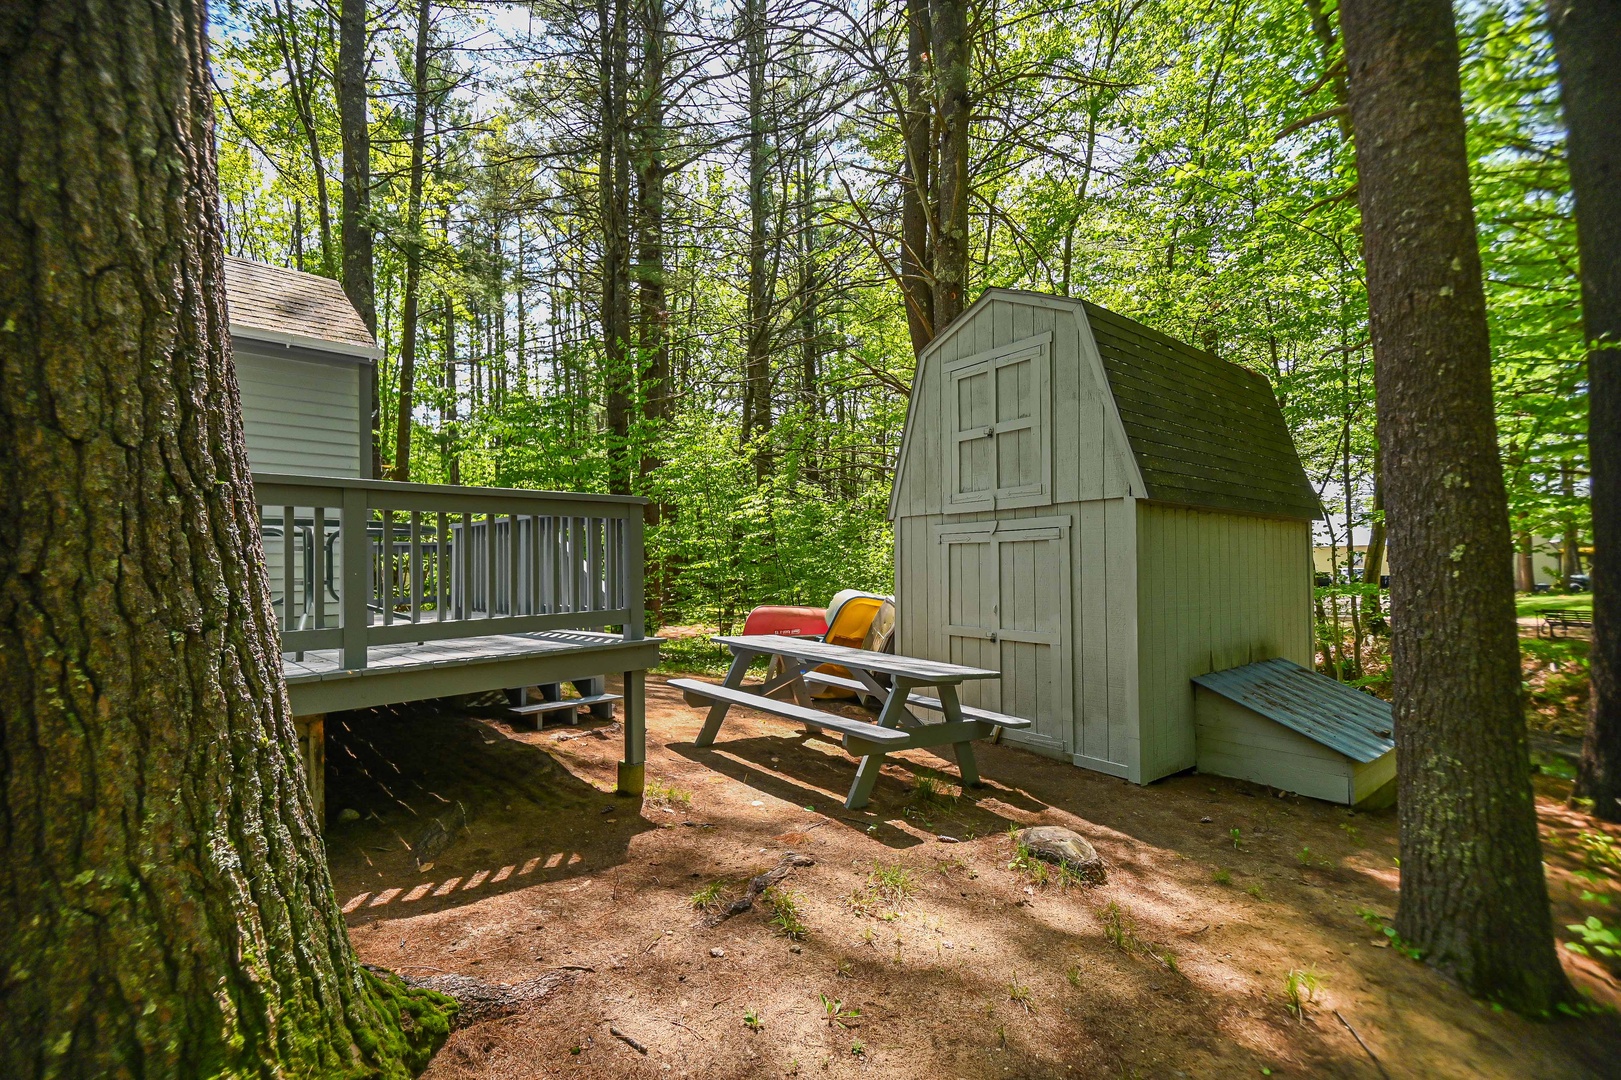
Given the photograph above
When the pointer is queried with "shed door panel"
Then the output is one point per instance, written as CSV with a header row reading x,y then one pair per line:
x,y
998,428
1007,599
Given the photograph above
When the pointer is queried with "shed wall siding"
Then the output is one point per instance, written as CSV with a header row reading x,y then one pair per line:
x,y
301,417
1091,719
1233,741
1214,591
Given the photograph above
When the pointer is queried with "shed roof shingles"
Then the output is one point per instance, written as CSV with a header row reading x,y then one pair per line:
x,y
1205,432
292,303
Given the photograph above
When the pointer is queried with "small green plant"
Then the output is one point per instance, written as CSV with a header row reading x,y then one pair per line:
x,y
844,969
834,1014
751,1019
892,884
709,897
1600,851
1074,976
1300,990
1222,877
1597,938
1117,927
1303,856
1019,993
1238,838
661,794
1377,922
1255,891
786,912
1350,832
858,1048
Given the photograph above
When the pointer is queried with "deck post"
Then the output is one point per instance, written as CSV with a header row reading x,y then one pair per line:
x,y
311,731
633,769
353,549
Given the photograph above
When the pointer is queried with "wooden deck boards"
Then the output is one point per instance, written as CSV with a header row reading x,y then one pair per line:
x,y
412,672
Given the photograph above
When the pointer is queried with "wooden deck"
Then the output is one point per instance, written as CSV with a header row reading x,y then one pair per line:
x,y
319,682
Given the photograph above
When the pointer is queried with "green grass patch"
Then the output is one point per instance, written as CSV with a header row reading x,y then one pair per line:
x,y
695,655
1526,604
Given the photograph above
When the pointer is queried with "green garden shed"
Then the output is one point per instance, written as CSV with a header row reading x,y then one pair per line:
x,y
1102,513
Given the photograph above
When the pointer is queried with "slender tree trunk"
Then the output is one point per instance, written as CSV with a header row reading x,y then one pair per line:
x,y
359,282
453,467
165,908
1570,540
757,352
651,302
1587,42
302,91
413,245
1473,897
952,56
614,181
917,184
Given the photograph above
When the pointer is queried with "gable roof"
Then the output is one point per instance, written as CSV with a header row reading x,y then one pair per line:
x,y
1357,725
289,307
1205,432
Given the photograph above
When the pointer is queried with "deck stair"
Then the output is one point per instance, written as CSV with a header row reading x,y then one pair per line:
x,y
538,709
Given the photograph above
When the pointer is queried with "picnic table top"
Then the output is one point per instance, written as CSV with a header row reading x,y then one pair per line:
x,y
930,672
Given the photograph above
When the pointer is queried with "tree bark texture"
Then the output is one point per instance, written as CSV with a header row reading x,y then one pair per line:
x,y
757,348
917,184
1473,897
1587,44
614,182
952,54
359,275
165,908
413,246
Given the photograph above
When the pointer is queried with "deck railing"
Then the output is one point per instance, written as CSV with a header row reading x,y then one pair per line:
x,y
358,563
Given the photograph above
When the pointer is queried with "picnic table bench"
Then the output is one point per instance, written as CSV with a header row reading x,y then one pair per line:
x,y
1561,621
896,728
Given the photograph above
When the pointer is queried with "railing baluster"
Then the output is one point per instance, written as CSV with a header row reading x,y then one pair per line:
x,y
318,565
512,566
611,541
352,552
439,570
490,565
596,564
289,576
635,599
386,584
415,567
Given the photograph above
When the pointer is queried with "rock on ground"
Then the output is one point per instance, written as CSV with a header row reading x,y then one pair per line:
x,y
1066,847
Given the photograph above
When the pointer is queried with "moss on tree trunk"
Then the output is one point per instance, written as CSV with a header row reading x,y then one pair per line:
x,y
165,908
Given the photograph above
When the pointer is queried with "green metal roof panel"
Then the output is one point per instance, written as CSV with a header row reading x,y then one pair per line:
x,y
1205,432
1357,725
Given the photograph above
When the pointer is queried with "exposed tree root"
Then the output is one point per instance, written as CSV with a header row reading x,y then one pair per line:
x,y
759,884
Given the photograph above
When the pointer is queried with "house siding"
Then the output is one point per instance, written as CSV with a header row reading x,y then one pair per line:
x,y
301,416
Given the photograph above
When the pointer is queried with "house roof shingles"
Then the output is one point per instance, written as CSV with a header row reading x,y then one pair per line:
x,y
292,306
1205,432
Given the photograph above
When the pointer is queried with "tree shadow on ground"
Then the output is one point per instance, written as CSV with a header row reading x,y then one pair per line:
x,y
429,808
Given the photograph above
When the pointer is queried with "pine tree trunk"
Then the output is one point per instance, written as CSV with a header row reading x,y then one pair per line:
x,y
952,56
1587,41
1473,897
757,359
658,401
917,253
413,246
614,181
359,281
165,908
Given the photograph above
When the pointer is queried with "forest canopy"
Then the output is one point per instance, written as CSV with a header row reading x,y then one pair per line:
x,y
664,247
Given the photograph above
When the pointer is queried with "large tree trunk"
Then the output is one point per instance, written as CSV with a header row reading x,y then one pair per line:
x,y
1587,42
952,55
658,401
614,183
359,281
165,909
757,345
917,184
1473,897
413,246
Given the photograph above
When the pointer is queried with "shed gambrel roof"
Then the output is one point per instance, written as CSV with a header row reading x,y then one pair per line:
x,y
289,307
1358,725
1205,432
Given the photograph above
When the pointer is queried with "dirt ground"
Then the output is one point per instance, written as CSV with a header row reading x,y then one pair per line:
x,y
1176,967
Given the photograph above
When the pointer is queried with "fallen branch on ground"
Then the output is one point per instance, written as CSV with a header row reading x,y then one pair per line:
x,y
759,884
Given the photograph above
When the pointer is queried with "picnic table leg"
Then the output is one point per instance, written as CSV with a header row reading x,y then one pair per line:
x,y
717,712
967,765
872,764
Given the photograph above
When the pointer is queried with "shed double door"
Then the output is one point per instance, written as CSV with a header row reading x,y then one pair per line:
x,y
1007,605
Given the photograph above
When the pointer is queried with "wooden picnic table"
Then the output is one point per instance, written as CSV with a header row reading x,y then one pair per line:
x,y
896,727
